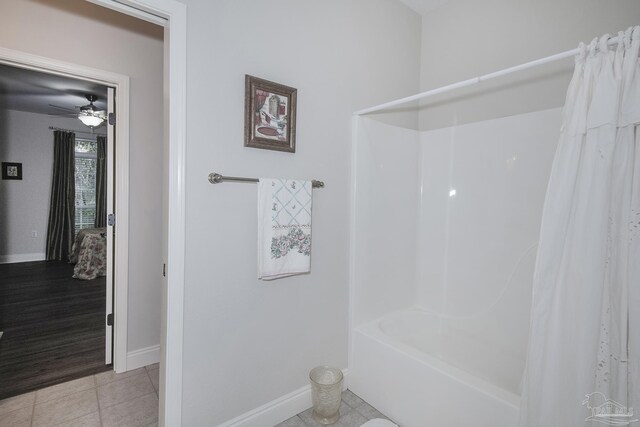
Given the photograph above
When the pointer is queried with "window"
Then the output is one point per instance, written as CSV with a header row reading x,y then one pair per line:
x,y
85,158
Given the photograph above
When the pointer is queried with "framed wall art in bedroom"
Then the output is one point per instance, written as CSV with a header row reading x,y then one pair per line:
x,y
11,170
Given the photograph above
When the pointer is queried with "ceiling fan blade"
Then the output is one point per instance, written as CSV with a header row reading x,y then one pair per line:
x,y
70,110
63,114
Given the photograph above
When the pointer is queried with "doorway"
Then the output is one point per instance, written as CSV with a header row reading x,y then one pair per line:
x,y
172,15
56,262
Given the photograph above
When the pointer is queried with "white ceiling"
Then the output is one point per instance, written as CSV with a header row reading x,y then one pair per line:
x,y
36,92
424,6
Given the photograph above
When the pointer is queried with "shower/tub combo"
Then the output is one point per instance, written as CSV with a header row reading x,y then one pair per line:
x,y
446,226
494,275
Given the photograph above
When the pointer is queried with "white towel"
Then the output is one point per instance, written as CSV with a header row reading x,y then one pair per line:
x,y
284,228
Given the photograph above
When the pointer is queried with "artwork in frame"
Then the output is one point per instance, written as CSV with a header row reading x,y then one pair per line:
x,y
11,170
270,115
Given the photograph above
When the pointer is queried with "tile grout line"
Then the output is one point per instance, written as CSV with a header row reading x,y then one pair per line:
x,y
78,417
95,389
350,409
33,409
151,381
126,379
95,381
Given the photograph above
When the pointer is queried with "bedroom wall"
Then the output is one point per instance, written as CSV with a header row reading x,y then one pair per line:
x,y
458,43
132,47
248,342
24,205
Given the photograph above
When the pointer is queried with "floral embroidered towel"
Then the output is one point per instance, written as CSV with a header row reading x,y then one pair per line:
x,y
284,228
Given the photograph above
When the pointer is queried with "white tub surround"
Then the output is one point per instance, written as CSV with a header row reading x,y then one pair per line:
x,y
446,228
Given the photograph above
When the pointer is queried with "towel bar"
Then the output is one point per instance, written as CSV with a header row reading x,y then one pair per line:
x,y
216,178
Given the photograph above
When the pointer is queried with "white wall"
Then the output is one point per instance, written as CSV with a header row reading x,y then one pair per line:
x,y
24,205
249,342
466,38
127,46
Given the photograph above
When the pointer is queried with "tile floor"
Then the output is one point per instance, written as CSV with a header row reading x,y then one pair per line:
x,y
353,413
130,400
106,399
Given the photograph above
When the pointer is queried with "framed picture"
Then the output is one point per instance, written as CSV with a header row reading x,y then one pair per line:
x,y
11,170
270,115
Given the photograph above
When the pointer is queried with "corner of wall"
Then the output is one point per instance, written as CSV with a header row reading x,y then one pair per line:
x,y
143,357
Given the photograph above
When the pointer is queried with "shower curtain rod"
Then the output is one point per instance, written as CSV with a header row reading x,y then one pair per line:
x,y
475,80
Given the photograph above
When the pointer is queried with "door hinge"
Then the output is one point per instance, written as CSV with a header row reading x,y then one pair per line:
x,y
112,118
110,319
164,270
111,220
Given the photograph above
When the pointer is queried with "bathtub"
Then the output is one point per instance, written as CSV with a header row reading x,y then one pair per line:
x,y
422,370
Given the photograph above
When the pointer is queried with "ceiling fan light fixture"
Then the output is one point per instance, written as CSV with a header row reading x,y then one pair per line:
x,y
89,114
90,120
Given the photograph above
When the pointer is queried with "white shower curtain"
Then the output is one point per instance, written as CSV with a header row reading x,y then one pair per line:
x,y
584,345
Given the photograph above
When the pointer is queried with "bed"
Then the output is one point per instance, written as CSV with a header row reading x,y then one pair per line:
x,y
89,253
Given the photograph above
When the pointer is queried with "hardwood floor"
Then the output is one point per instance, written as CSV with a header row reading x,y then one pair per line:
x,y
53,326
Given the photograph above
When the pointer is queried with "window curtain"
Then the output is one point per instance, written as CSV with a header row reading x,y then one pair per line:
x,y
584,346
61,225
101,182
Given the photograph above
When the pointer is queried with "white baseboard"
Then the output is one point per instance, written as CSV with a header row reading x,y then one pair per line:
x,y
143,357
277,410
10,259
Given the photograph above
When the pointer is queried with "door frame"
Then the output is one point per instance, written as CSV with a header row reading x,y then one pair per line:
x,y
120,82
173,15
112,172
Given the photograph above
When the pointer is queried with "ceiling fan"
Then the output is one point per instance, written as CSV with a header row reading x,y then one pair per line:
x,y
87,114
